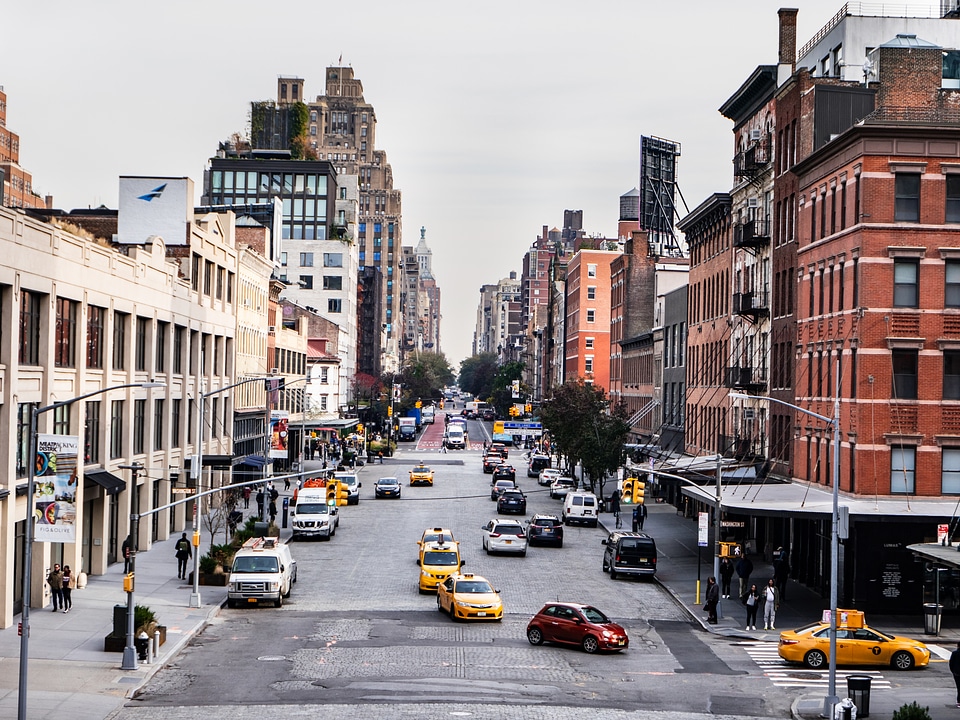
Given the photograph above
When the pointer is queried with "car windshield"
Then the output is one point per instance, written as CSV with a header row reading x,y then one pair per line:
x,y
421,469
439,558
312,509
387,482
473,586
594,615
256,564
435,536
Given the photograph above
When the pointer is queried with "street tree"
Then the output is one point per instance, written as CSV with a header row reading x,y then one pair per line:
x,y
424,376
477,375
501,395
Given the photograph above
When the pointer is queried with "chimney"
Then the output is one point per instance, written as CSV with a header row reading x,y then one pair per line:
x,y
787,60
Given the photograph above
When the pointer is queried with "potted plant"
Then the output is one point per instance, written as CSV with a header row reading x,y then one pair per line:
x,y
145,621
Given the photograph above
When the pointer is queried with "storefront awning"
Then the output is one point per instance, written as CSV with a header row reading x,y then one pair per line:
x,y
111,484
257,461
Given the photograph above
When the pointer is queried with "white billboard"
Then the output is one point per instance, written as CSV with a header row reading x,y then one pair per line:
x,y
155,206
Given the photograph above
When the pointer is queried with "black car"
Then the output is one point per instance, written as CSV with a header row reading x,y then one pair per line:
x,y
504,472
512,501
387,487
489,414
544,529
490,462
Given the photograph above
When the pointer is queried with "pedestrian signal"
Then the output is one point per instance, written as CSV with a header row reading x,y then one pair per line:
x,y
638,491
626,493
333,491
343,494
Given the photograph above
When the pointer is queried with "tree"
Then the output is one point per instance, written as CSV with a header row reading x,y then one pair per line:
x,y
423,376
477,374
502,392
585,428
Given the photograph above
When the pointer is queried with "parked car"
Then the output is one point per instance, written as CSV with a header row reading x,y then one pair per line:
x,y
545,529
547,476
629,553
580,507
561,486
500,485
387,487
512,501
576,624
503,471
504,536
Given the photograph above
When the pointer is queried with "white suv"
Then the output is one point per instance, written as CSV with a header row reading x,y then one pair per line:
x,y
353,486
580,507
508,536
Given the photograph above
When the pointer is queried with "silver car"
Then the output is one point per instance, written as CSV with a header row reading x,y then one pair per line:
x,y
506,536
561,486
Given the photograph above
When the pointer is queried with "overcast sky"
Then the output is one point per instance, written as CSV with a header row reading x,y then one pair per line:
x,y
495,116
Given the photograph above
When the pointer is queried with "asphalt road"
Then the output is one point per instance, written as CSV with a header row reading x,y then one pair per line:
x,y
356,639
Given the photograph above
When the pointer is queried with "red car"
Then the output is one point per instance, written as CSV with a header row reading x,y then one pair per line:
x,y
576,624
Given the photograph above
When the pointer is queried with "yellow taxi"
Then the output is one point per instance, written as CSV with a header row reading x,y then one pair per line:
x,y
436,534
857,644
421,475
469,597
438,561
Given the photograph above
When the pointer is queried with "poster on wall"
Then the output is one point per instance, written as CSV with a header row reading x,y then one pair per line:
x,y
278,433
55,489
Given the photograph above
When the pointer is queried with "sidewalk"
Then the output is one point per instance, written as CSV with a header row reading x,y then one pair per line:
x,y
676,538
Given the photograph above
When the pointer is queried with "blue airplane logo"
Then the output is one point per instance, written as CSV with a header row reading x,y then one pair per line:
x,y
153,194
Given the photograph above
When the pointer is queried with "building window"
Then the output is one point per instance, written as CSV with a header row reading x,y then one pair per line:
x,y
907,197
91,431
65,343
591,292
953,199
903,465
306,282
158,424
221,277
334,305
906,290
139,425
24,413
283,259
306,259
120,321
207,277
591,270
333,259
178,336
116,429
950,472
951,374
29,329
588,343
904,374
95,317
61,420
332,282
324,376
140,351
163,329
323,402
591,316
195,272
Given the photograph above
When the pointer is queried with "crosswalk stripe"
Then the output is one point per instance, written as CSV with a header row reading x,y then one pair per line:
x,y
782,674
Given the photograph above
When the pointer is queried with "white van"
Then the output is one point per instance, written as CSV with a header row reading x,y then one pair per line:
x,y
352,481
580,507
263,570
454,438
311,516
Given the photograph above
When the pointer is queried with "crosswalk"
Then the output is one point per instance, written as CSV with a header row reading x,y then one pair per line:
x,y
784,674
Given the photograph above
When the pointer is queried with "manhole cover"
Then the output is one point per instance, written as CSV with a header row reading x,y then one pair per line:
x,y
271,658
805,675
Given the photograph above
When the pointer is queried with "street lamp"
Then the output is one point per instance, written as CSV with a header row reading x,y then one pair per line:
x,y
831,698
129,649
28,539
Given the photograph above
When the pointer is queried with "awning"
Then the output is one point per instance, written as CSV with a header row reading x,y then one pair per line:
x,y
4,493
220,462
257,461
110,483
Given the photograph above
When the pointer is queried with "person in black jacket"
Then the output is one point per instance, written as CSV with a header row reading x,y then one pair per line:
x,y
713,598
955,669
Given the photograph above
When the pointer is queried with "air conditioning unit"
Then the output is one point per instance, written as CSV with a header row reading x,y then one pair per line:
x,y
755,135
272,330
274,371
753,202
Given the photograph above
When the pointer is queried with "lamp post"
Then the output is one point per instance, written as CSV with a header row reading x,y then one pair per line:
x,y
28,539
129,649
831,698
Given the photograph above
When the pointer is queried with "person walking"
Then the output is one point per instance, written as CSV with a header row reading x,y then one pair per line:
x,y
752,602
639,515
273,512
955,670
55,581
246,497
125,552
713,598
68,583
771,603
744,568
286,483
781,571
726,575
183,552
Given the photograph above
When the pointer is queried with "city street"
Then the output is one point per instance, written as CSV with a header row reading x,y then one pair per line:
x,y
356,631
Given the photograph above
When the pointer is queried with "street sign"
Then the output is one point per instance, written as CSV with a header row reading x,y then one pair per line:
x,y
183,491
942,532
732,524
509,425
703,528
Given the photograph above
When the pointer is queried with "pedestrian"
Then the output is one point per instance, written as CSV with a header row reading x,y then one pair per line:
x,y
955,670
744,568
68,583
55,581
306,451
273,511
260,503
183,552
771,603
286,483
781,572
380,456
640,514
752,601
713,598
726,575
125,552
636,518
246,497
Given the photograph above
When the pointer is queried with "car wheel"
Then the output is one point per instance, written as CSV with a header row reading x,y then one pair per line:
x,y
523,554
590,644
535,636
439,606
278,602
560,544
424,592
815,659
902,660
613,574
231,604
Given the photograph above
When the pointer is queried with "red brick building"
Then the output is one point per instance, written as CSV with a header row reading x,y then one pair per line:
x,y
587,327
16,184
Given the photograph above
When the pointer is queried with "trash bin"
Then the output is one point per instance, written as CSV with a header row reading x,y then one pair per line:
x,y
119,621
931,618
858,690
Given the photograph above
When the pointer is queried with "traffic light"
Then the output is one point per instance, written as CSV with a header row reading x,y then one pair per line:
x,y
359,429
389,410
418,404
626,493
343,494
638,487
441,403
333,492
528,408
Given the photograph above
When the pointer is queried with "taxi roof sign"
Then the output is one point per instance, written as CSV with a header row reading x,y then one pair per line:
x,y
845,618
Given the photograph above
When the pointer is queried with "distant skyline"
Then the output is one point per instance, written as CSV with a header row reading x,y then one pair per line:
x,y
494,120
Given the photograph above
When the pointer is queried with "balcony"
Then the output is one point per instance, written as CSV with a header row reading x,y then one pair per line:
x,y
750,379
751,234
753,161
754,304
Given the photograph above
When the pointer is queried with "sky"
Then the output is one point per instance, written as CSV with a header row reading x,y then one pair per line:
x,y
495,117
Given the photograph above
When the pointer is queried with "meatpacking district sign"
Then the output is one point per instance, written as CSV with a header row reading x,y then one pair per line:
x,y
55,488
